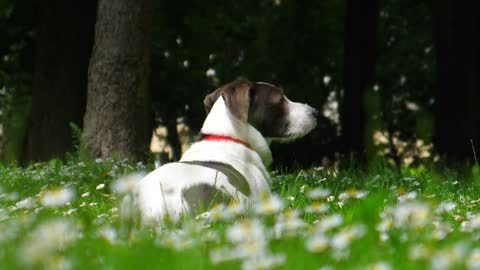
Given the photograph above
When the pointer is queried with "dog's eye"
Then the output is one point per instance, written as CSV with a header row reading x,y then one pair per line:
x,y
252,93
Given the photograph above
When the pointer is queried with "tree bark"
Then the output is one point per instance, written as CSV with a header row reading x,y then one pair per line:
x,y
116,121
64,38
361,21
457,44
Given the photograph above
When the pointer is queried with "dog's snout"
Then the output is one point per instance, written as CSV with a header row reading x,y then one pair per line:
x,y
314,112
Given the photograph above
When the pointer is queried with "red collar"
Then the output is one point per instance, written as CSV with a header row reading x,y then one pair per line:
x,y
219,138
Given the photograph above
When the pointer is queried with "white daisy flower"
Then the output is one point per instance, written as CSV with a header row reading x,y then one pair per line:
x,y
247,230
26,203
220,255
419,252
385,225
57,197
47,240
352,194
288,224
177,240
474,221
473,260
250,249
317,208
127,184
269,205
108,233
446,207
441,230
408,197
328,223
217,213
235,208
263,262
317,243
342,239
409,214
319,193
379,266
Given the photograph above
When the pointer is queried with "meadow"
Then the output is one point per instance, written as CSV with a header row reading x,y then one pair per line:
x,y
68,215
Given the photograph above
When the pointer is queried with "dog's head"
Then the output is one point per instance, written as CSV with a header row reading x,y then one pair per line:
x,y
265,107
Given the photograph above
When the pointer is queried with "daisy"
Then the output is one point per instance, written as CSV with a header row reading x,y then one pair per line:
x,y
319,193
57,197
126,184
263,262
328,223
247,230
317,208
26,203
317,243
47,240
269,205
288,224
473,260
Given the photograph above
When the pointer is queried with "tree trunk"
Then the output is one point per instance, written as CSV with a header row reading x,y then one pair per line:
x,y
64,38
116,121
361,21
457,114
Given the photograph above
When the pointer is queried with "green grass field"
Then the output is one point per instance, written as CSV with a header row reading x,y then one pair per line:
x,y
68,216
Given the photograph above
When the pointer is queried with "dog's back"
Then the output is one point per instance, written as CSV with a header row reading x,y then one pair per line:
x,y
178,188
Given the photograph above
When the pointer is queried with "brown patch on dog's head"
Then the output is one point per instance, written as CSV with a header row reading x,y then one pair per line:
x,y
237,98
262,105
269,110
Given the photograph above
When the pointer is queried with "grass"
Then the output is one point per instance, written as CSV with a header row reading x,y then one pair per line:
x,y
65,216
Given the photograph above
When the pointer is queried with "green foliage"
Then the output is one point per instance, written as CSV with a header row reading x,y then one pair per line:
x,y
406,68
81,152
15,125
16,67
416,219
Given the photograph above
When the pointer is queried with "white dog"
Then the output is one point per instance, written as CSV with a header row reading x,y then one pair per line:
x,y
231,159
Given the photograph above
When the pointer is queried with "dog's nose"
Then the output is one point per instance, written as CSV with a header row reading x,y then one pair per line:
x,y
314,112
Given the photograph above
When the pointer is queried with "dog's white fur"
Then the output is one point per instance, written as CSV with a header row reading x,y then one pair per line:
x,y
210,167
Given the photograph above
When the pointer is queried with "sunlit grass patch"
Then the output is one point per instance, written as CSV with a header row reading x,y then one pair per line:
x,y
70,216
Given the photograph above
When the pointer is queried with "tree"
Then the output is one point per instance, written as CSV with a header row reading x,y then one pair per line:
x,y
116,119
64,38
361,20
457,44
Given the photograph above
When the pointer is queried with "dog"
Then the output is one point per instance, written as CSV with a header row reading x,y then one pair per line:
x,y
231,159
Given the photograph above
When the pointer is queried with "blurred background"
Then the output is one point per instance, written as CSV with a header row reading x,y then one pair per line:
x,y
394,79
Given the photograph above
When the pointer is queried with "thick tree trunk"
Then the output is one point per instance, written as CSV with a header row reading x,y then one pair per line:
x,y
116,121
361,20
457,44
64,39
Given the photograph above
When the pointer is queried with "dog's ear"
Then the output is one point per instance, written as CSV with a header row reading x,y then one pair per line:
x,y
211,98
237,98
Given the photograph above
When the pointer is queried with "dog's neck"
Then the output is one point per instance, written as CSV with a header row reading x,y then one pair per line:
x,y
221,122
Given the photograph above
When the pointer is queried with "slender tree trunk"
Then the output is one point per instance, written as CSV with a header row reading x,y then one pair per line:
x,y
64,39
116,121
457,44
361,21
